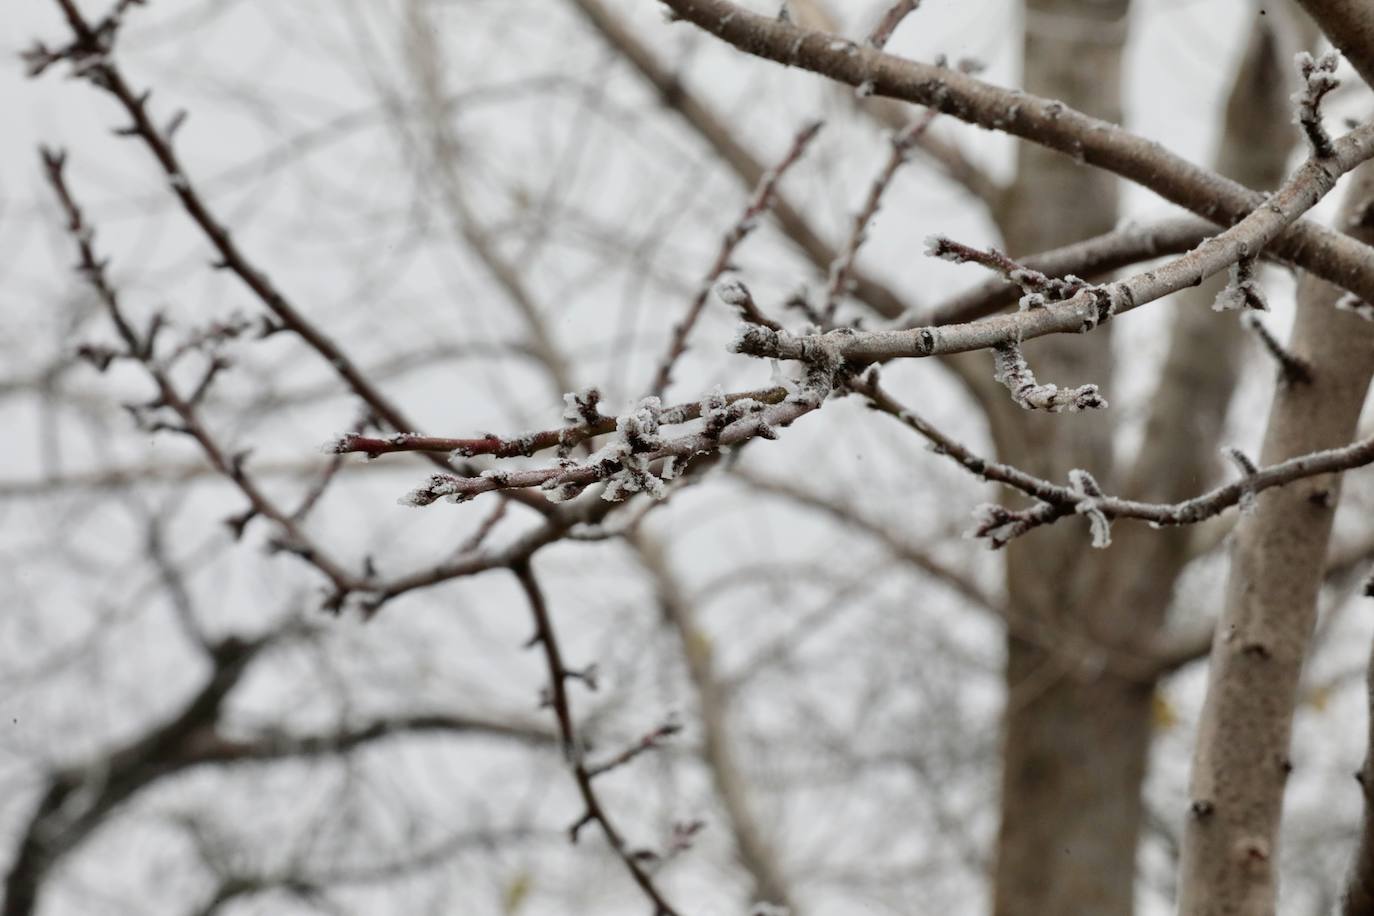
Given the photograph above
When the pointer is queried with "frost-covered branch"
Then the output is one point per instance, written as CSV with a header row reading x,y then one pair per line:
x,y
1014,373
638,459
1051,123
1093,304
998,524
587,427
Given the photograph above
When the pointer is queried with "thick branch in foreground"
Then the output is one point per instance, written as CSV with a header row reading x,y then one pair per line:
x,y
1329,255
1094,304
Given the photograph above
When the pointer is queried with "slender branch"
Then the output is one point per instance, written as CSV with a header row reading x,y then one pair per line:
x,y
547,639
1055,501
759,203
140,347
91,55
891,19
843,266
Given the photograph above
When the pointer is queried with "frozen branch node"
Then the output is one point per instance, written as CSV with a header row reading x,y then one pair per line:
x,y
1242,291
580,407
1090,504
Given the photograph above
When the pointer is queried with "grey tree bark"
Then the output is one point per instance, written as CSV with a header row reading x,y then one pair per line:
x,y
1068,831
1241,762
1076,741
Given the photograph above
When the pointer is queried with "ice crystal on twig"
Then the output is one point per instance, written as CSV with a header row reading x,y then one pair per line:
x,y
580,407
1013,372
1090,504
626,455
1319,78
1242,290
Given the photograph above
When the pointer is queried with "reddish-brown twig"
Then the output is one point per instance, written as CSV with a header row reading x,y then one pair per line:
x,y
547,639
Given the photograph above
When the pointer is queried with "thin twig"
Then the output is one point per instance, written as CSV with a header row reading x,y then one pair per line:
x,y
999,525
843,265
878,38
759,203
547,639
140,348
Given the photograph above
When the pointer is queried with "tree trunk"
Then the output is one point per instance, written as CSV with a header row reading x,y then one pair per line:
x,y
1076,741
1241,762
1067,837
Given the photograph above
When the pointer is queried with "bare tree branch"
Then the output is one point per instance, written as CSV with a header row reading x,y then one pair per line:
x,y
1335,258
546,638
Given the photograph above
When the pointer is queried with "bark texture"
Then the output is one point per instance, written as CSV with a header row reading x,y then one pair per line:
x,y
1241,762
1359,892
1073,751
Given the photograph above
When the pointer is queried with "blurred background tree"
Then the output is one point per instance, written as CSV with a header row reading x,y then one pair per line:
x,y
792,682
